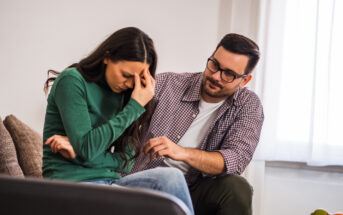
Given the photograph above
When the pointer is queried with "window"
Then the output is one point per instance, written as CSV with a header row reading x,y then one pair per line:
x,y
302,82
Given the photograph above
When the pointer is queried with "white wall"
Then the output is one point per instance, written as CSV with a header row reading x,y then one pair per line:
x,y
38,35
300,191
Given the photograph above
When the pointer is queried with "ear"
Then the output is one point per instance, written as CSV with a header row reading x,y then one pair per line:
x,y
106,61
245,81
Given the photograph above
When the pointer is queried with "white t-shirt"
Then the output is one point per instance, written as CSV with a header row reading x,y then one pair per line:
x,y
196,132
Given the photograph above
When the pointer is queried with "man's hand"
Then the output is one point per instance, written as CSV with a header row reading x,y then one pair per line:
x,y
62,145
162,146
211,163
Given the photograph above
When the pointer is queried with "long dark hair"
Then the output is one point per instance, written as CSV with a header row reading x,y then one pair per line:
x,y
127,44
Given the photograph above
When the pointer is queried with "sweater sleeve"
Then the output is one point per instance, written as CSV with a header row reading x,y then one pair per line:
x,y
90,142
110,160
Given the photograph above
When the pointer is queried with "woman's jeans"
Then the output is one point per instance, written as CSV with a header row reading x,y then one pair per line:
x,y
166,179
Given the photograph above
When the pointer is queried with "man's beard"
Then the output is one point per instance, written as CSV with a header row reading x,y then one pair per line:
x,y
218,94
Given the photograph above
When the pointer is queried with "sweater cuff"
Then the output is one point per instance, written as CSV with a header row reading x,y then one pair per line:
x,y
136,106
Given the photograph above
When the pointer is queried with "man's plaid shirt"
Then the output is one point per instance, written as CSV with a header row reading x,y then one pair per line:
x,y
234,133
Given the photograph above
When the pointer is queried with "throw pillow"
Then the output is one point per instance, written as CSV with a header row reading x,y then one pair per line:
x,y
8,155
28,144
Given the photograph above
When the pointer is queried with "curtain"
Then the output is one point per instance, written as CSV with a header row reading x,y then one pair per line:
x,y
299,80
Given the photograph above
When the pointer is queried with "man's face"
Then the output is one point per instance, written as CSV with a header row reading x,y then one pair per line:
x,y
214,89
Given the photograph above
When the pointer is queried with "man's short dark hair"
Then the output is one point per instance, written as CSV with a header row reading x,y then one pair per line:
x,y
240,44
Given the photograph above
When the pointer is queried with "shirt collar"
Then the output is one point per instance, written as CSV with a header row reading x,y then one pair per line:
x,y
193,90
233,98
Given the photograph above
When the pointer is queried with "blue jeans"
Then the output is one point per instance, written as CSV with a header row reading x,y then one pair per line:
x,y
166,179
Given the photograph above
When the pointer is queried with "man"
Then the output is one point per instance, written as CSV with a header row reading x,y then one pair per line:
x,y
208,125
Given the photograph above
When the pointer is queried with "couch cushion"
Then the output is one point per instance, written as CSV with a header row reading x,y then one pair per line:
x,y
28,144
8,155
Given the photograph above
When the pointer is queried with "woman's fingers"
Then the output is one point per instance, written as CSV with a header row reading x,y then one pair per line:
x,y
143,94
143,81
66,151
147,78
50,139
138,84
65,154
153,82
61,144
53,146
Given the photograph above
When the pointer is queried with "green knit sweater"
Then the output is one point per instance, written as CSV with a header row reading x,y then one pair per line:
x,y
92,117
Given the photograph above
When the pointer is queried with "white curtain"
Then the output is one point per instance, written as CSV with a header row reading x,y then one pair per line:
x,y
299,79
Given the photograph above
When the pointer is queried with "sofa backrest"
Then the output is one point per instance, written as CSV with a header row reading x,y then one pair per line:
x,y
43,196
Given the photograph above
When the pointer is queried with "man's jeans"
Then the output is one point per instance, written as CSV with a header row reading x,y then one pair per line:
x,y
166,179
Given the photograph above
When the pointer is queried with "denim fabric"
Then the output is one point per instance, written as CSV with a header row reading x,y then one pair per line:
x,y
165,179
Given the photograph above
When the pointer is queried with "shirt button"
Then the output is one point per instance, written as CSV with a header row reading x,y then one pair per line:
x,y
194,115
178,137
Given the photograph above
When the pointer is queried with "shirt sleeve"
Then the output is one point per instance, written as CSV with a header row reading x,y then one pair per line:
x,y
89,142
243,136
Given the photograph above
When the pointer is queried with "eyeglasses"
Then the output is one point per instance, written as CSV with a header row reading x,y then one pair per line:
x,y
226,75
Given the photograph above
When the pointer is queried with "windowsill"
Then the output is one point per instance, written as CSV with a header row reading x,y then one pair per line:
x,y
299,165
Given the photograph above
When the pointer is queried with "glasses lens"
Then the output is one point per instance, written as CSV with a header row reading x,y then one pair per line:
x,y
212,66
228,76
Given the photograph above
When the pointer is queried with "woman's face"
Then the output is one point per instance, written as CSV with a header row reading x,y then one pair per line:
x,y
120,75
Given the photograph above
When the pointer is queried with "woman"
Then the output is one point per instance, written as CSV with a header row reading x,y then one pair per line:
x,y
98,104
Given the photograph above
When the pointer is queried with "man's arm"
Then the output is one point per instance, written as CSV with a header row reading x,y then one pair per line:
x,y
211,163
235,152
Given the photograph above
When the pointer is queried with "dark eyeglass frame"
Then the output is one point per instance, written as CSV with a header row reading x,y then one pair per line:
x,y
235,76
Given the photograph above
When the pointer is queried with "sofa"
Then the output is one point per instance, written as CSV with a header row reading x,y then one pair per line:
x,y
24,191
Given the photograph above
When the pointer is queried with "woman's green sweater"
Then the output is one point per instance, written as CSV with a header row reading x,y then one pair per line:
x,y
92,117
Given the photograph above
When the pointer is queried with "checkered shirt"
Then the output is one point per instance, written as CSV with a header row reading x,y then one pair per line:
x,y
234,133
